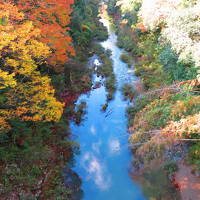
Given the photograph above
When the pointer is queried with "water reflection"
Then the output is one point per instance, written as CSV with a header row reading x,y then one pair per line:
x,y
96,146
93,130
114,146
96,171
156,184
73,183
104,159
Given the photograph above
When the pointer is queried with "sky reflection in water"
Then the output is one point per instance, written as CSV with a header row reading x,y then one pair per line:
x,y
105,158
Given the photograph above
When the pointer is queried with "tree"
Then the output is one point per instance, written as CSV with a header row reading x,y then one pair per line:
x,y
24,92
53,18
179,21
154,12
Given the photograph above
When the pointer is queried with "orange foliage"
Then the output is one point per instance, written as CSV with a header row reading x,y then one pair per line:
x,y
186,126
27,94
168,136
142,28
7,9
179,110
53,18
181,107
192,83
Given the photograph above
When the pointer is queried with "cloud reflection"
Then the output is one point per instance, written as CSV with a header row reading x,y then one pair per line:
x,y
93,130
114,146
96,171
96,146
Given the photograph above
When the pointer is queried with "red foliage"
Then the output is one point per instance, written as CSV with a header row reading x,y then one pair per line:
x,y
69,97
175,183
142,28
53,18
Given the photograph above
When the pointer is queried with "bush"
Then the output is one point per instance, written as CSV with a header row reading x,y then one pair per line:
x,y
139,104
170,167
110,86
128,91
101,33
194,154
126,42
177,70
127,59
80,112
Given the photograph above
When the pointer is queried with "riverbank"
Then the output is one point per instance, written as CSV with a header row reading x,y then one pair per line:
x,y
33,154
104,157
188,182
167,111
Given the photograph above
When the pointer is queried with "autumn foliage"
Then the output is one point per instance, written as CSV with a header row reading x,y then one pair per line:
x,y
34,132
52,17
25,93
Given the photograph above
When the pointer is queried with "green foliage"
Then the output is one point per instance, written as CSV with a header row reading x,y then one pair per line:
x,y
129,11
80,112
58,81
99,50
127,59
156,185
175,68
106,69
194,154
101,33
85,24
110,84
160,112
170,167
126,42
112,9
129,91
149,67
28,152
139,104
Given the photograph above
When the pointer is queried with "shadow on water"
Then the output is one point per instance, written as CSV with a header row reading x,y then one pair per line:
x,y
73,184
156,184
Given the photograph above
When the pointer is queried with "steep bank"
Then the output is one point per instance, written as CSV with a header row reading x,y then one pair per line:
x,y
38,145
164,120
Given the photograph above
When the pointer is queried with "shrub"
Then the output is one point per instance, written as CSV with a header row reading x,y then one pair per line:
x,y
127,59
128,91
170,167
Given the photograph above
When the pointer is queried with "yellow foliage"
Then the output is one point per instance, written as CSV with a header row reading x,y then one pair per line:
x,y
29,95
4,125
7,80
188,125
181,106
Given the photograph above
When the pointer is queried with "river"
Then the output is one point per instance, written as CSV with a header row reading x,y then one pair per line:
x,y
104,160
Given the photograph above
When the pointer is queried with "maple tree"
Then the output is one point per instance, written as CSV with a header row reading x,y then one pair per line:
x,y
34,134
25,92
52,17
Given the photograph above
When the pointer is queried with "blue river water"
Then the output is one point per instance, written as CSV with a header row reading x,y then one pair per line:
x,y
104,161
